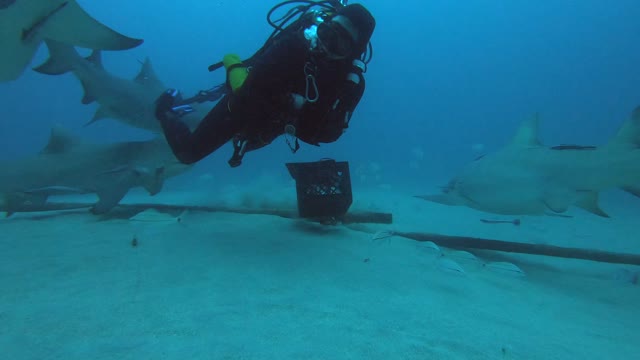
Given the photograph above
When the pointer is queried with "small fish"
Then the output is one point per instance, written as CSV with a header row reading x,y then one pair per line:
x,y
450,266
384,234
463,255
505,267
429,246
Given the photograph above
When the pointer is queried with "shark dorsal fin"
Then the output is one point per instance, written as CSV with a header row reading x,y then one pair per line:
x,y
60,141
147,76
629,132
527,134
95,58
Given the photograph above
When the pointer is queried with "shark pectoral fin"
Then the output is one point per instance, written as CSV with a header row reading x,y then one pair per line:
x,y
116,184
589,202
72,25
152,181
108,199
634,190
103,112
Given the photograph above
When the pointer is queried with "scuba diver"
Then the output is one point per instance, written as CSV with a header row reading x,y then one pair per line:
x,y
304,83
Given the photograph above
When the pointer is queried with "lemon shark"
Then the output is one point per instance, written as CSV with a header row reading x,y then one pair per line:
x,y
69,165
527,178
24,24
129,101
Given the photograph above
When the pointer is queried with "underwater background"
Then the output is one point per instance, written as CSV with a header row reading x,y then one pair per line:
x,y
446,78
449,81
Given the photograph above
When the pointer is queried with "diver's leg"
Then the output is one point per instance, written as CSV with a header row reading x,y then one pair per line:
x,y
214,130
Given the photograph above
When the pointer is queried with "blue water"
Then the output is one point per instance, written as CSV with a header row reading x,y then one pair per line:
x,y
449,80
444,76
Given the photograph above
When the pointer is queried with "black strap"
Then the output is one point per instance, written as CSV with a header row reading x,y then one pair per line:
x,y
216,66
213,94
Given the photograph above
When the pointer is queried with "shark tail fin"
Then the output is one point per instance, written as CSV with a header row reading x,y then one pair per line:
x,y
629,132
62,59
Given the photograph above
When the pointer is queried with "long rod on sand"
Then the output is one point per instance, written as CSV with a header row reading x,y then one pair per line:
x,y
458,242
128,210
454,242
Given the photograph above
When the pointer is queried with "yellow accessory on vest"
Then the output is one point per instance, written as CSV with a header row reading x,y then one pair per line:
x,y
236,74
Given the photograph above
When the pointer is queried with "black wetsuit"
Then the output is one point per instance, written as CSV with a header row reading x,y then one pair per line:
x,y
259,112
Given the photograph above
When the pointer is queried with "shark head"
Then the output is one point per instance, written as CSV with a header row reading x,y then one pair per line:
x,y
480,186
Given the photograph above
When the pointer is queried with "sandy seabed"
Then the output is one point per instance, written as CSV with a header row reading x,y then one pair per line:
x,y
232,286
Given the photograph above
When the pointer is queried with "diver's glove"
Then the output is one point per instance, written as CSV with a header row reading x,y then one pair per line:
x,y
170,102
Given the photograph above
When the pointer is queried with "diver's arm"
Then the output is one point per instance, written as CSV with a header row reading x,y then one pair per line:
x,y
339,115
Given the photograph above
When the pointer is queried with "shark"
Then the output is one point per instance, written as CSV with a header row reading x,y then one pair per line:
x,y
25,24
69,165
129,101
528,178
